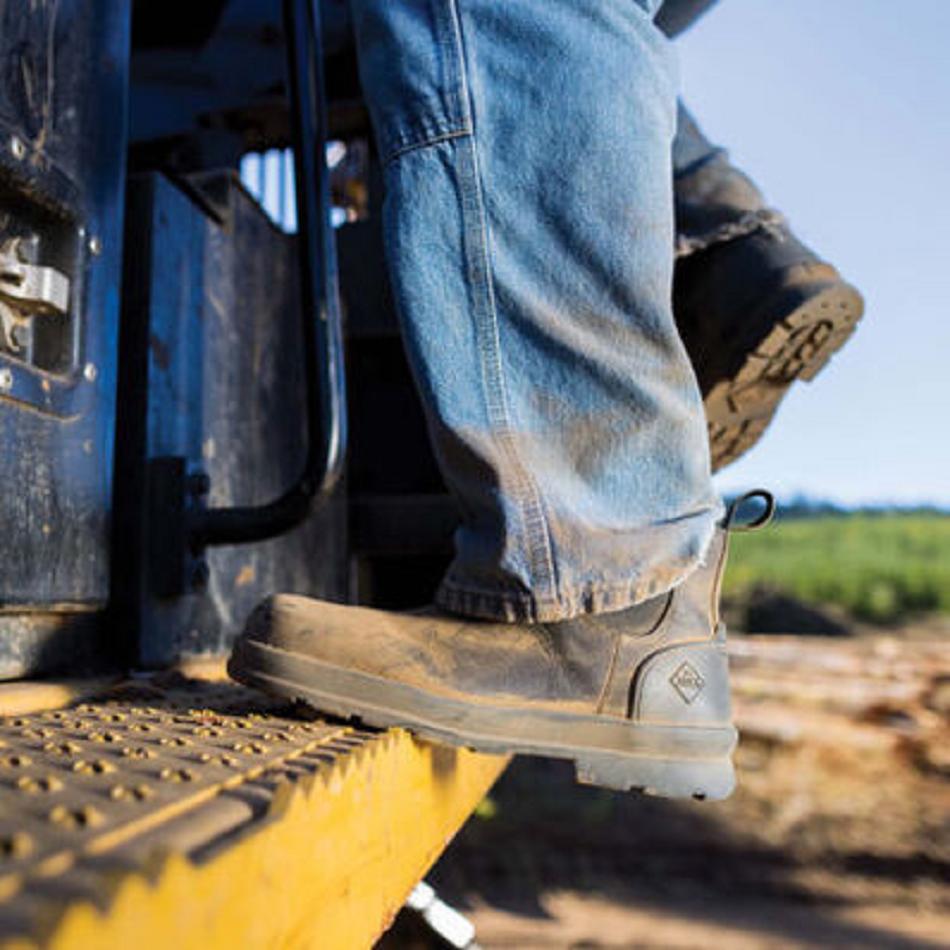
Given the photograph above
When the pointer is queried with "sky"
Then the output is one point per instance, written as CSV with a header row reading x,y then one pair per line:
x,y
840,109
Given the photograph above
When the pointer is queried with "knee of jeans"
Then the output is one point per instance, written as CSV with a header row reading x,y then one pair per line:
x,y
412,71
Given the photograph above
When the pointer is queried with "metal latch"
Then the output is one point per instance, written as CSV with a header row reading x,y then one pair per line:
x,y
26,291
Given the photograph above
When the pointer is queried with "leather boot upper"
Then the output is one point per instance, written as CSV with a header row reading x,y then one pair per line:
x,y
588,664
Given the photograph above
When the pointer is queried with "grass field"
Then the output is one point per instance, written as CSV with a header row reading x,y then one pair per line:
x,y
879,567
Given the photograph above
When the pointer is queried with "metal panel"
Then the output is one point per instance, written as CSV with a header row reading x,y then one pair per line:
x,y
62,154
217,304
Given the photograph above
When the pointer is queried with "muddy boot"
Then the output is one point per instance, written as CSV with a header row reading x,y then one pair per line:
x,y
637,699
755,307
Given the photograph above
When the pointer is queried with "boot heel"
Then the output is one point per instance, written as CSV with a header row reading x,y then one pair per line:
x,y
711,779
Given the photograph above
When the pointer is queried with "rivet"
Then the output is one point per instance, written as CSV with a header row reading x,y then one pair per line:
x,y
174,740
96,767
36,733
62,748
138,752
32,786
105,737
84,817
6,379
90,372
207,731
95,246
249,748
17,148
227,760
123,793
176,775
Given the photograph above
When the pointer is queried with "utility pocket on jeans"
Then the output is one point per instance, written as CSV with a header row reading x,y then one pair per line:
x,y
412,70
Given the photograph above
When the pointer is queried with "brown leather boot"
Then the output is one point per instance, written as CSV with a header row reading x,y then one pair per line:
x,y
756,308
637,698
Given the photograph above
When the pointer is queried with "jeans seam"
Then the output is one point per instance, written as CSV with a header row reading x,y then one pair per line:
x,y
585,600
530,507
400,150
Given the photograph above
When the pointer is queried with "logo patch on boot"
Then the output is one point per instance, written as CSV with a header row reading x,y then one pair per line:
x,y
687,681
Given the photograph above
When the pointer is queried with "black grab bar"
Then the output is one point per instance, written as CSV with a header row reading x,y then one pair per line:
x,y
320,307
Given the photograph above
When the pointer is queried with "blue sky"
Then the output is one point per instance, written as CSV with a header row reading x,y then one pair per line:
x,y
840,109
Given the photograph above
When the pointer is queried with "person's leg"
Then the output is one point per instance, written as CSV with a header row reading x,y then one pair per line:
x,y
531,262
756,308
561,402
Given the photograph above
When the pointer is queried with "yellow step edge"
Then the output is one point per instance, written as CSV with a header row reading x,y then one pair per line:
x,y
353,821
329,867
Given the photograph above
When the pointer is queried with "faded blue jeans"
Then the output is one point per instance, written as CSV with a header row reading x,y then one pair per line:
x,y
529,232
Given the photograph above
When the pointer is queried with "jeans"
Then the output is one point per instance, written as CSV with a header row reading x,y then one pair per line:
x,y
529,230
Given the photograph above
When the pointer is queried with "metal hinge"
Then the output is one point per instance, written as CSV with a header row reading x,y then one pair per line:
x,y
26,291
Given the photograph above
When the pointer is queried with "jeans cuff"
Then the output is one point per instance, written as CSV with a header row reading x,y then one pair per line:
x,y
519,606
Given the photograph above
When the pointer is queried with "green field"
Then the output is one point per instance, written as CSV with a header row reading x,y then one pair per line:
x,y
879,567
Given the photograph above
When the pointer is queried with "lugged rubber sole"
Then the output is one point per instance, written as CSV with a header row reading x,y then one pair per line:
x,y
818,321
673,761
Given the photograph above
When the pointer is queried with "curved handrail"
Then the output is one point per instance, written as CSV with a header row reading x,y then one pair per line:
x,y
320,308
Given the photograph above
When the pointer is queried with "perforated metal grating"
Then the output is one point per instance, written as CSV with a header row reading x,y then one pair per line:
x,y
86,781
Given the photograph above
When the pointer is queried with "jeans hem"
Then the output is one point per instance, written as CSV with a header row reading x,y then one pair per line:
x,y
520,606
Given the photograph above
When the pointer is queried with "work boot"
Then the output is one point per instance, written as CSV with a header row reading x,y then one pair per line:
x,y
637,699
755,307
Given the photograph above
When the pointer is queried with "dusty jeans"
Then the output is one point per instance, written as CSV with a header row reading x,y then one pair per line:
x,y
529,231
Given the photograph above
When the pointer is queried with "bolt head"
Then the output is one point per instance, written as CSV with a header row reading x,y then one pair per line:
x,y
17,148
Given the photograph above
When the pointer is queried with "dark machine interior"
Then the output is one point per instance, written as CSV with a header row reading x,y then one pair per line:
x,y
199,424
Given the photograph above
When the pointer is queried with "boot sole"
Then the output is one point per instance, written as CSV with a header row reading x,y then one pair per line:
x,y
818,320
671,761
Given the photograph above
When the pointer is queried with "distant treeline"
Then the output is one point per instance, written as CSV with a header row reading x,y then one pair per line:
x,y
801,506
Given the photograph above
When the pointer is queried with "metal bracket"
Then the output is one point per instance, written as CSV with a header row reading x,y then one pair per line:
x,y
26,291
174,494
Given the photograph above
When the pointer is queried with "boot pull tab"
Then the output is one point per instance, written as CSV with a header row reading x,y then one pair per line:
x,y
731,522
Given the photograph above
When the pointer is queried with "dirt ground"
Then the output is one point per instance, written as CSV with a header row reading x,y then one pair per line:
x,y
838,836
